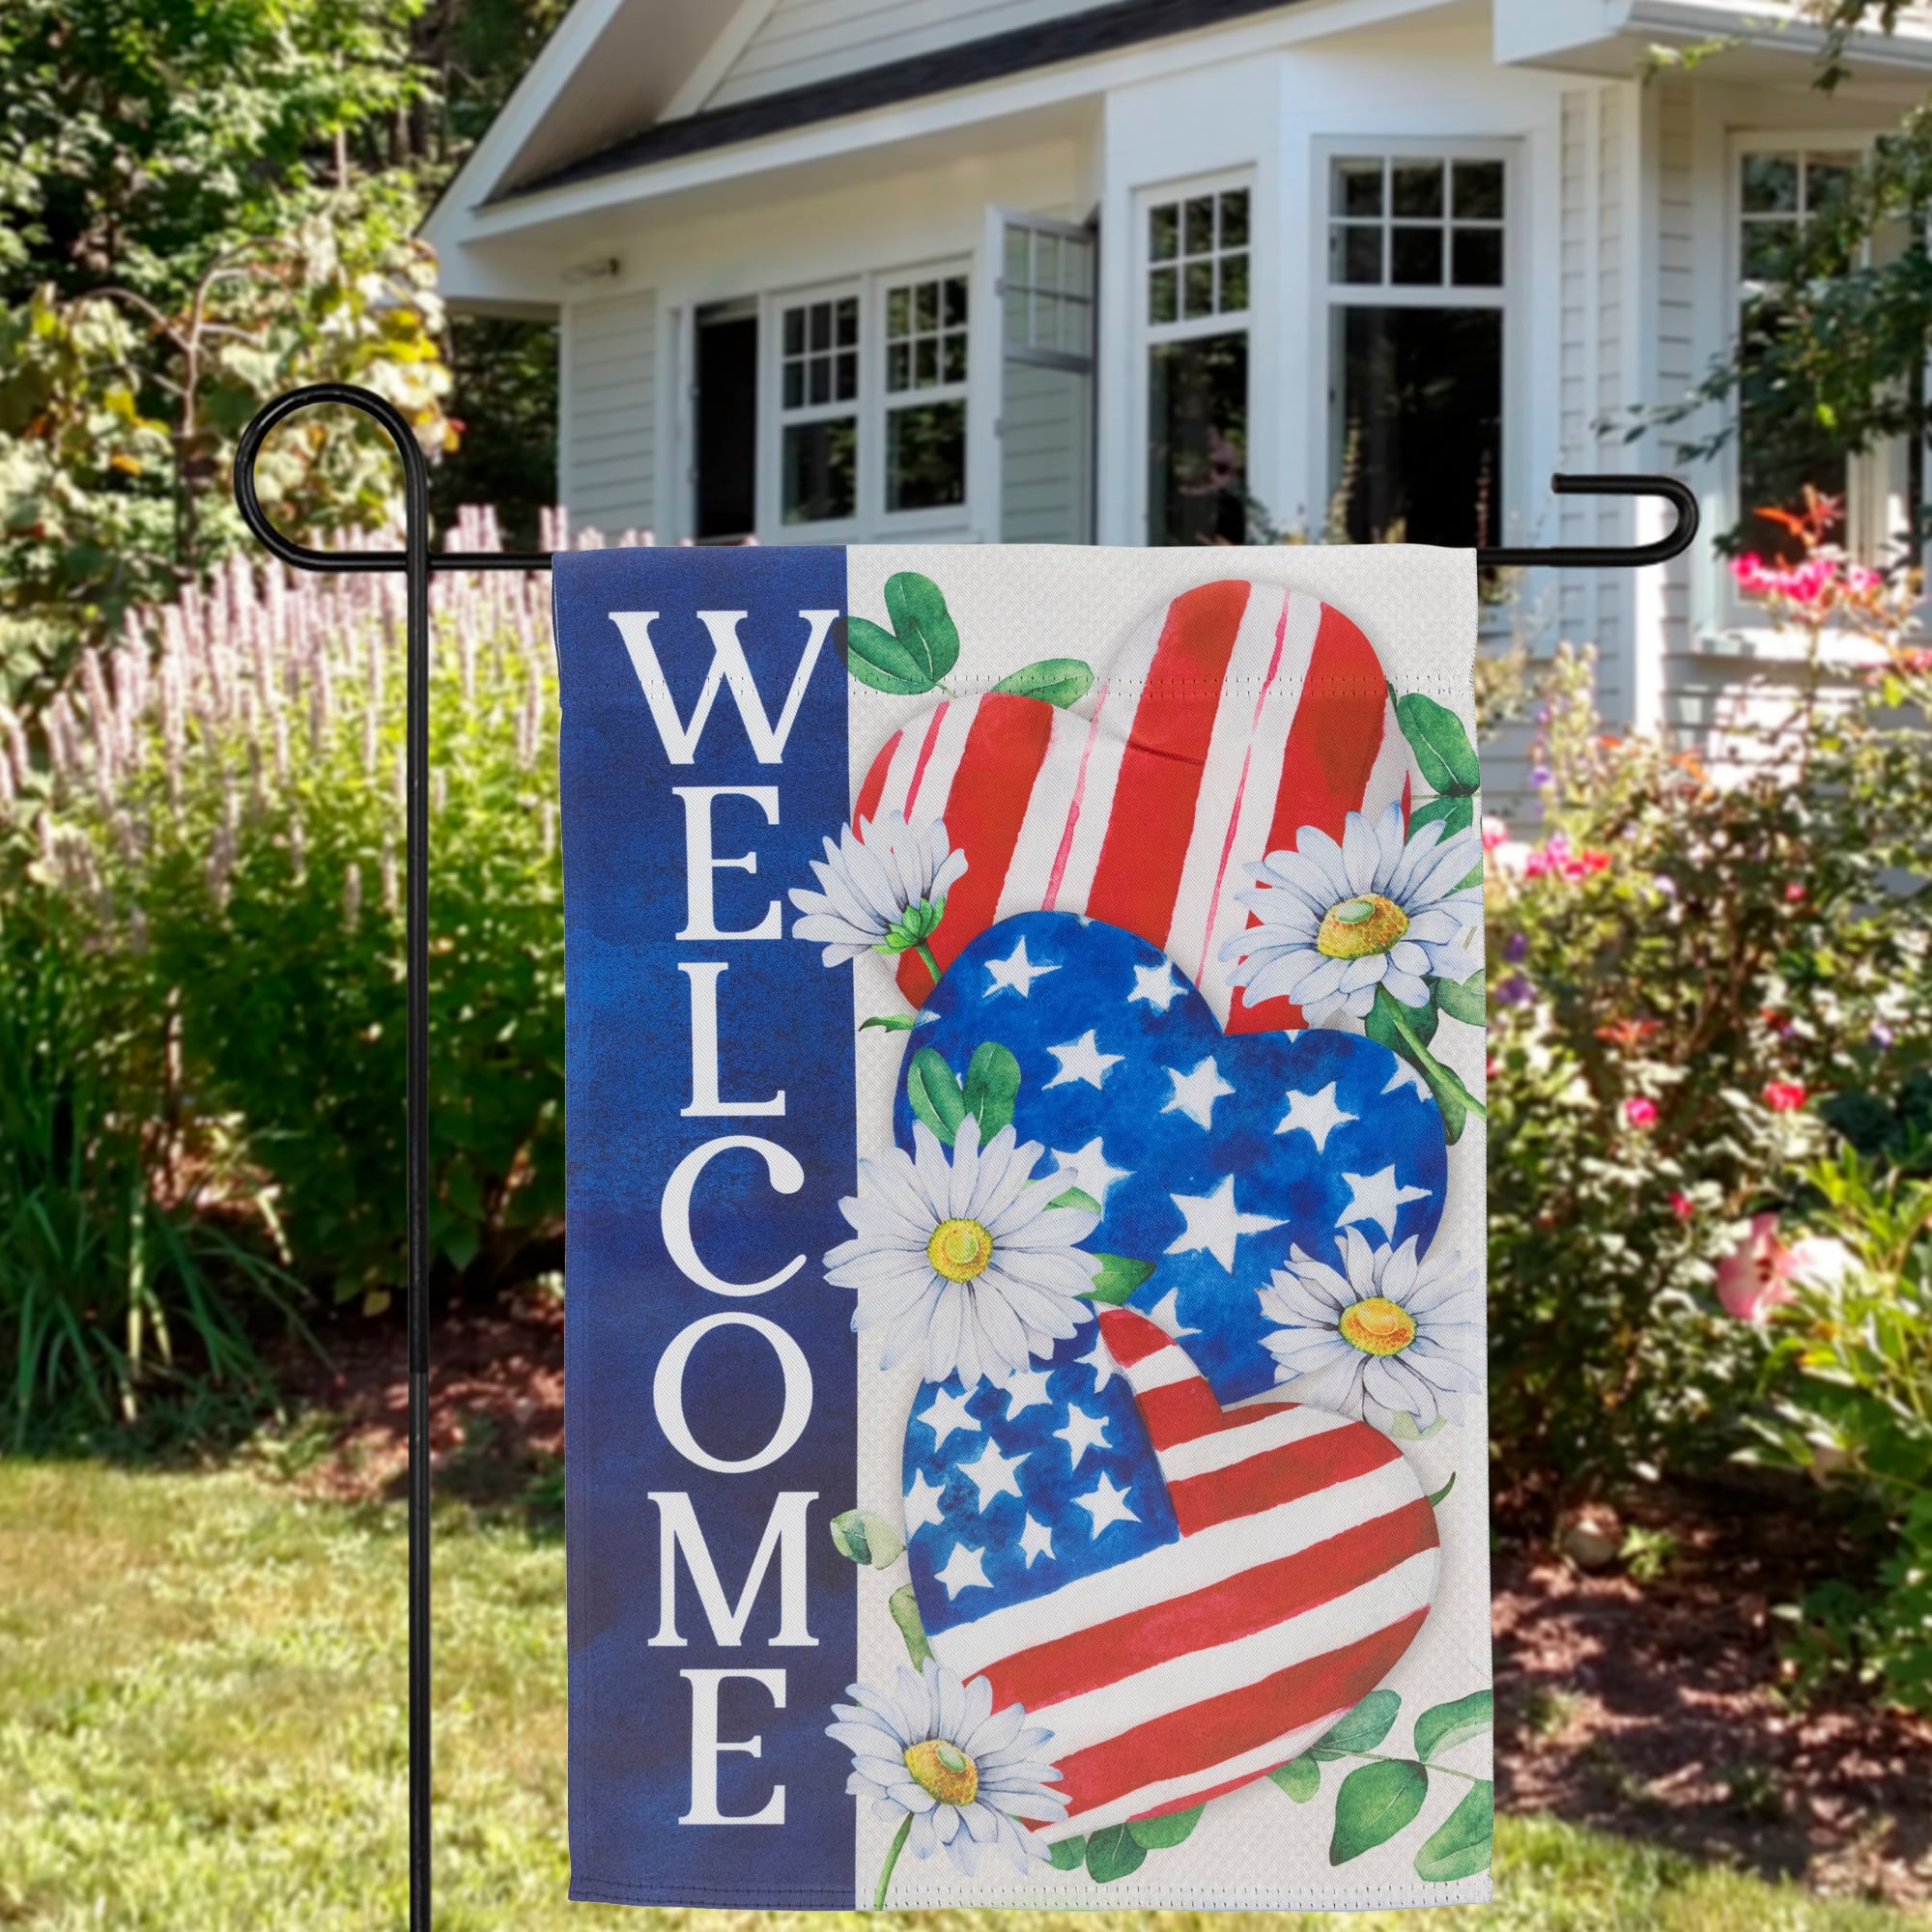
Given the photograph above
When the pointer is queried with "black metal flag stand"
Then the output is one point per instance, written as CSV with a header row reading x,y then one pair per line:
x,y
416,560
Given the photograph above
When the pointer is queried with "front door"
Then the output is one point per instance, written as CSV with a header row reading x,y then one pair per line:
x,y
725,414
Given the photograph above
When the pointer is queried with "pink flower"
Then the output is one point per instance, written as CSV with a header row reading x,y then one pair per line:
x,y
1681,1205
1495,832
1756,1276
1558,856
1640,1112
1784,1096
1794,894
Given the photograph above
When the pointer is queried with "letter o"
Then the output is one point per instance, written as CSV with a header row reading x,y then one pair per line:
x,y
787,1177
668,1393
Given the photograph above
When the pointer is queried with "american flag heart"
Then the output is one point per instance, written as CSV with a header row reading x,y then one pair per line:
x,y
1224,723
1186,1595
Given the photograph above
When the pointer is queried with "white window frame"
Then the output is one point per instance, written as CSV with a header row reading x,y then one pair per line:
x,y
1876,483
881,401
1510,299
1148,333
775,417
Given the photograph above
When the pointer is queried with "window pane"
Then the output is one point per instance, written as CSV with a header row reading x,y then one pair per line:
x,y
926,305
1356,253
1479,191
1415,257
956,301
821,325
1016,253
1234,218
848,322
1163,232
818,470
1767,243
848,375
1200,229
1017,317
1420,407
926,456
1418,188
1198,436
794,331
926,363
898,365
1478,258
898,312
953,362
821,379
1359,188
1234,282
1828,180
1198,287
1163,296
794,384
1772,475
1771,183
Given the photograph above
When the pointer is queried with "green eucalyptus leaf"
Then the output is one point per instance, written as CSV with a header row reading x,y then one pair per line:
x,y
1300,1777
1441,1495
992,1086
904,1608
1155,1835
934,1094
1464,999
1076,1197
1408,1030
1119,1275
1112,1853
1443,753
877,658
1375,1802
1067,1854
1461,1846
1457,814
921,624
1444,1726
1362,1729
1060,681
894,1022
867,1537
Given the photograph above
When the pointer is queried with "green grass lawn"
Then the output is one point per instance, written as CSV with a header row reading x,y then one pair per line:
x,y
200,1730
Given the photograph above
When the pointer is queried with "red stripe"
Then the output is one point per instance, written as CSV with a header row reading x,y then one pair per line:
x,y
874,787
985,811
1182,1411
1186,1742
1255,1600
924,759
1152,820
1279,1475
1131,1337
1332,748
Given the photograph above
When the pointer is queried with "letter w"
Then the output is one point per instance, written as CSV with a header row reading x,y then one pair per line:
x,y
785,1533
729,670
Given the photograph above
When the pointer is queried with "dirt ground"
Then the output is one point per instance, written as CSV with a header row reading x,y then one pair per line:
x,y
1648,1709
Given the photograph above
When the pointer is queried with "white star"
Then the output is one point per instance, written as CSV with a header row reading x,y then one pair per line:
x,y
947,1414
1165,1315
1214,1223
1035,1540
1106,1504
1405,1075
1027,1388
1081,1060
1083,1432
922,1505
1015,972
1195,1093
1155,985
993,1474
1377,1198
962,1572
1100,1360
1088,1170
1315,1115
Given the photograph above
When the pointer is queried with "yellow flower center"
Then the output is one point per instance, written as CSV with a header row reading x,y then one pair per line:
x,y
1357,928
1378,1326
959,1249
944,1770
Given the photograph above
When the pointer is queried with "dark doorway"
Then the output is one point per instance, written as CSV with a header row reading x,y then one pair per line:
x,y
727,420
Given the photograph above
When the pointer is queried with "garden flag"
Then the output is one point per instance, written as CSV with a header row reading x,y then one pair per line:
x,y
1026,1329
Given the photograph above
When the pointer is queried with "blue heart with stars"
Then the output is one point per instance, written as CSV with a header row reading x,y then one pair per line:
x,y
1211,1154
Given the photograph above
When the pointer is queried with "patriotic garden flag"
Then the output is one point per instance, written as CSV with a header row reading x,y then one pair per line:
x,y
1025,1319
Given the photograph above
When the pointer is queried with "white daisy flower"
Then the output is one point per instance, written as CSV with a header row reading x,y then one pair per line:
x,y
1377,910
963,1264
1390,1336
885,890
936,1755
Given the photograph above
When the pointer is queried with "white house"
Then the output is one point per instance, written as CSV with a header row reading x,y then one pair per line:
x,y
1146,270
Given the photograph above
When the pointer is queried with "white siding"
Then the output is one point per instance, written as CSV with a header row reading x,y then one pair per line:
x,y
608,455
1677,360
801,42
1046,455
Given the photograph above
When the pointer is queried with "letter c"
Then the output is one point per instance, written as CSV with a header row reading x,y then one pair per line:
x,y
668,1393
674,1213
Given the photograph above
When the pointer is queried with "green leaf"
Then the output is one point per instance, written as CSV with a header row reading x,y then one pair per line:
x,y
1076,1197
1402,1427
1362,1729
934,1094
1397,1028
1067,1854
1458,813
1114,1853
992,1086
1439,1496
1461,1845
865,1537
1375,1802
920,625
877,658
1443,753
1060,681
1119,1275
1446,1725
1300,1777
894,1022
904,1608
1155,1835
1464,999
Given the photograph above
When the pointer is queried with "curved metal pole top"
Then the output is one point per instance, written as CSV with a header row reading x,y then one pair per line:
x,y
1615,556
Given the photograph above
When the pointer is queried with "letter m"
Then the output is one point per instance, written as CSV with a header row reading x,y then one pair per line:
x,y
728,670
785,1533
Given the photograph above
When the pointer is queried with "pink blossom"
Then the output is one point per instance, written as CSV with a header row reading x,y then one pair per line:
x,y
1811,584
1557,856
1757,1275
1640,1112
1495,832
1681,1205
1784,1096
